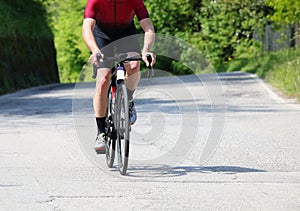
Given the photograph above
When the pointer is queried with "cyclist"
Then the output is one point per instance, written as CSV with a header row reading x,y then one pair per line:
x,y
105,22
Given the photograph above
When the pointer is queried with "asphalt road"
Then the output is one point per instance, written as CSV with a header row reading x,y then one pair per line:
x,y
200,143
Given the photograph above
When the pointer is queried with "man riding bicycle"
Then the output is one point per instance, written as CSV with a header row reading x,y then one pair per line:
x,y
106,22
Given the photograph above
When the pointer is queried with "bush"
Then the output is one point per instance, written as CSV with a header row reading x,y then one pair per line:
x,y
27,50
285,74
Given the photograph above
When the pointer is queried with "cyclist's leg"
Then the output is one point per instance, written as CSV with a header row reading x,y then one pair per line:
x,y
101,90
131,82
131,45
132,77
100,96
128,42
100,107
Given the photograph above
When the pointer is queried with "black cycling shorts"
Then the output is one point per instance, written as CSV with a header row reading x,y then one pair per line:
x,y
113,42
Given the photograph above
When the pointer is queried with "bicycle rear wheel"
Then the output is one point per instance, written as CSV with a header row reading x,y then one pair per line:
x,y
123,124
110,144
110,134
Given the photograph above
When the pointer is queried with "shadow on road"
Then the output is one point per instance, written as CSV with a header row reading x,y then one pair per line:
x,y
218,169
45,101
162,171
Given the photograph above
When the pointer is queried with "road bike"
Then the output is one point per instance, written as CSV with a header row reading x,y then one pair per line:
x,y
117,124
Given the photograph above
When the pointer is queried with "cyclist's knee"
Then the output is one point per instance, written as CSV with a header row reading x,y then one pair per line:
x,y
132,67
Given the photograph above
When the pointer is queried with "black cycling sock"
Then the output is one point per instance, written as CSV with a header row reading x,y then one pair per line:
x,y
101,124
130,94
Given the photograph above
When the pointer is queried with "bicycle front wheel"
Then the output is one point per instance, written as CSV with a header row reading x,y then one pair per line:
x,y
123,124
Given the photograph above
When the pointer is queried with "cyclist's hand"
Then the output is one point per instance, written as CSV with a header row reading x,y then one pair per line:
x,y
153,59
94,58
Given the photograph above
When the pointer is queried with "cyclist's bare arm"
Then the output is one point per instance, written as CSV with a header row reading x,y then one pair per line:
x,y
148,28
89,39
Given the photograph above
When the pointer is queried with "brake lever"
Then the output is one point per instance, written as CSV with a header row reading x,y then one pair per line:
x,y
150,68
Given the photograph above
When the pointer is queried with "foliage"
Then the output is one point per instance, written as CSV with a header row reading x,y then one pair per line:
x,y
178,18
285,72
221,30
174,16
12,15
66,20
285,11
27,50
228,25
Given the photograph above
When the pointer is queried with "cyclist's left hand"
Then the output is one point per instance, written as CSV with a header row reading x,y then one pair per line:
x,y
146,61
94,60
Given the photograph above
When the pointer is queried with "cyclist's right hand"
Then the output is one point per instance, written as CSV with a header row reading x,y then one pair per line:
x,y
94,58
149,59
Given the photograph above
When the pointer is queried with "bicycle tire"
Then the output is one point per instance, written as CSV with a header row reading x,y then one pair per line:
x,y
110,151
110,133
123,124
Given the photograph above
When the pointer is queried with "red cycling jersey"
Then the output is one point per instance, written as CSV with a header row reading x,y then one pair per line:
x,y
115,13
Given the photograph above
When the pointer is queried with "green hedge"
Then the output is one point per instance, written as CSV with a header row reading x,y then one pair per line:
x,y
28,56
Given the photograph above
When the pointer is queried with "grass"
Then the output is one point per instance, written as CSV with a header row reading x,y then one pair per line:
x,y
281,69
285,75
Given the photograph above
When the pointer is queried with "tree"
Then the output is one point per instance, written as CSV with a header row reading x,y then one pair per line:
x,y
72,53
65,19
27,48
286,12
226,25
175,16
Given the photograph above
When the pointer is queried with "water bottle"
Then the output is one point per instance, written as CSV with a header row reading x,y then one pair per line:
x,y
120,74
